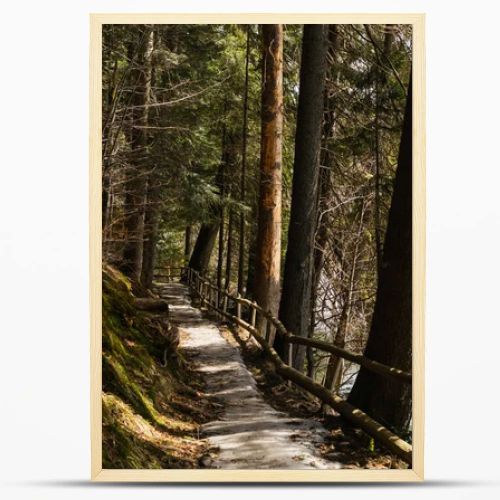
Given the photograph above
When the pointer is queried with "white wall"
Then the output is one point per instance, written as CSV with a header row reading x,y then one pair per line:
x,y
44,362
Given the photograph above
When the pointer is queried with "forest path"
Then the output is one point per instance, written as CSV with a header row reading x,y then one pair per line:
x,y
248,433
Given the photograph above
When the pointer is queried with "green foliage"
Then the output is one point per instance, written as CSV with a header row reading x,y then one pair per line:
x,y
371,445
196,117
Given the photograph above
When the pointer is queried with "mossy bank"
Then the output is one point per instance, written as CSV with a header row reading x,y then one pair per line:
x,y
152,402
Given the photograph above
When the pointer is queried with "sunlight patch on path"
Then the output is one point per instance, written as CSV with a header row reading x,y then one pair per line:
x,y
249,434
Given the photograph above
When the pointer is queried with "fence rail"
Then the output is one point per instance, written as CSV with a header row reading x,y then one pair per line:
x,y
263,326
169,273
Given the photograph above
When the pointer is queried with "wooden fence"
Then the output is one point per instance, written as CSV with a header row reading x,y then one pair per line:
x,y
263,326
169,273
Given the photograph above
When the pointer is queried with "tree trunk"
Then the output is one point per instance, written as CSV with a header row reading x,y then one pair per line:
x,y
324,187
295,306
220,247
205,242
136,183
252,255
151,221
108,105
187,244
241,250
268,249
335,363
207,236
151,304
325,177
380,96
390,336
229,250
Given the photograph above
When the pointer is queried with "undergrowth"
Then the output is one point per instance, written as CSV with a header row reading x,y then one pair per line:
x,y
151,410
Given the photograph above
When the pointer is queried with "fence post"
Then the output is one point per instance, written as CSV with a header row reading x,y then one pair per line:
x,y
254,316
288,350
272,334
238,308
262,325
290,357
224,304
268,331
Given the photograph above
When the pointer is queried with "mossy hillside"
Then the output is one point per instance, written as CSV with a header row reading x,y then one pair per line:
x,y
151,412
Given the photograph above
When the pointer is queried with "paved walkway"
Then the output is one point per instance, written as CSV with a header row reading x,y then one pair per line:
x,y
249,433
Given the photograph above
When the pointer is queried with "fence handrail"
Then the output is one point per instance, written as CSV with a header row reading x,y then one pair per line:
x,y
198,283
360,359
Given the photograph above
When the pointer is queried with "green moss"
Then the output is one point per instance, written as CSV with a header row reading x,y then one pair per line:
x,y
123,448
131,392
144,404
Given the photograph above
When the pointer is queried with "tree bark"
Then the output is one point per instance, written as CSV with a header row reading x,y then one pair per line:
x,y
207,236
295,306
390,339
268,249
335,363
151,222
241,249
220,246
325,187
380,96
187,244
108,104
229,250
325,177
151,304
202,251
252,255
136,183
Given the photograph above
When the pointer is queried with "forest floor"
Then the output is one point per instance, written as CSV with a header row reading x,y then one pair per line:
x,y
153,403
262,423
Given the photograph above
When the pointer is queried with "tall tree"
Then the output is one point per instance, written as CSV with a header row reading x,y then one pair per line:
x,y
207,235
325,185
295,306
205,242
187,244
152,201
241,250
335,364
151,221
390,336
380,96
229,250
136,181
268,251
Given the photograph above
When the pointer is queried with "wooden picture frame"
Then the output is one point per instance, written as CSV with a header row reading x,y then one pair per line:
x,y
416,473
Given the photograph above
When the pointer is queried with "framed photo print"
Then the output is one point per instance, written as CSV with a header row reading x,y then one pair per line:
x,y
257,247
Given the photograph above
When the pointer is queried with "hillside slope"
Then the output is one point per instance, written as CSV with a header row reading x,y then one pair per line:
x,y
152,402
